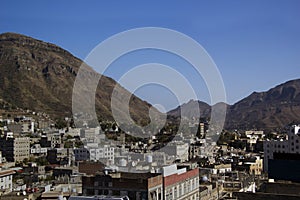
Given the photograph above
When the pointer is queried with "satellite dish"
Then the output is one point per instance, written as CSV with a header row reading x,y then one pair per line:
x,y
24,193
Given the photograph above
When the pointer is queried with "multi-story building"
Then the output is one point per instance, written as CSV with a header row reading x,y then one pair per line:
x,y
139,186
178,149
37,150
15,149
62,156
6,184
52,139
180,183
172,183
81,154
289,146
95,153
90,134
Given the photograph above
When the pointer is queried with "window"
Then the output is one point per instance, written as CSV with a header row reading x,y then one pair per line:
x,y
175,192
180,190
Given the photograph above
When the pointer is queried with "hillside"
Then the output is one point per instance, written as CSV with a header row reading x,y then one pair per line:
x,y
265,110
40,76
270,110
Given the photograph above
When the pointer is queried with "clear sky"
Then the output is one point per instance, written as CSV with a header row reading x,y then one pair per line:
x,y
255,44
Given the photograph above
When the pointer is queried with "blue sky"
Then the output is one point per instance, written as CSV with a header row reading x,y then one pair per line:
x,y
255,44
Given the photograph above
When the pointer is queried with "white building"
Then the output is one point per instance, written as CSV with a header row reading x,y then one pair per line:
x,y
95,153
90,135
254,136
6,185
178,149
290,145
36,149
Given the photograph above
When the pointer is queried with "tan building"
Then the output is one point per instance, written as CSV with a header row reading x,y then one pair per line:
x,y
15,149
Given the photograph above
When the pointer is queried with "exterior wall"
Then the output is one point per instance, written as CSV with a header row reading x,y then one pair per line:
x,y
257,167
90,168
135,186
291,145
21,148
6,181
182,186
15,149
180,150
155,188
59,156
81,154
37,149
95,154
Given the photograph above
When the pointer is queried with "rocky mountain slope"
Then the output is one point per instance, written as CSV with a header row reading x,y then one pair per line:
x,y
265,110
40,76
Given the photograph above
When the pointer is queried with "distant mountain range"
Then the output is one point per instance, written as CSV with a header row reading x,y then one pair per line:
x,y
40,76
265,110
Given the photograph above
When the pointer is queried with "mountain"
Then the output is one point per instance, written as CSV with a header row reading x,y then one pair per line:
x,y
265,110
270,110
39,76
189,110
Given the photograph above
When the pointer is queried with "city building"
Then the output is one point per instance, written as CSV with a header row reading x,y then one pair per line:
x,y
15,149
180,183
6,185
95,153
178,149
37,150
138,186
62,156
289,146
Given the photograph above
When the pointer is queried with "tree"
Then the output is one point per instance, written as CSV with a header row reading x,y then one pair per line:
x,y
60,123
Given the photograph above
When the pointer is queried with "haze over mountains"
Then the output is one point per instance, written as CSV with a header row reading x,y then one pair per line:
x,y
40,76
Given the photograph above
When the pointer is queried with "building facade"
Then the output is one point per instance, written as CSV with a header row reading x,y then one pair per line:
x,y
289,146
180,184
138,186
6,185
15,149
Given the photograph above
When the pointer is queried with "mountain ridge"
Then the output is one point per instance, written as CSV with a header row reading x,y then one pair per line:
x,y
271,109
40,76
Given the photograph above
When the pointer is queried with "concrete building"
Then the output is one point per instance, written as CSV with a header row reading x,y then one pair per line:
x,y
82,154
37,150
6,184
62,156
15,149
289,146
179,150
51,140
95,153
138,186
90,135
180,183
251,165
